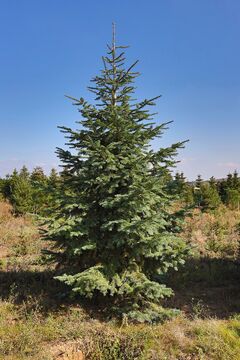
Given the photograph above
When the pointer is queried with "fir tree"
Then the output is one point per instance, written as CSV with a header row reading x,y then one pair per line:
x,y
21,192
53,186
179,187
188,195
222,190
113,226
199,181
229,190
37,175
210,197
179,183
6,187
24,173
233,198
39,186
235,181
53,179
213,182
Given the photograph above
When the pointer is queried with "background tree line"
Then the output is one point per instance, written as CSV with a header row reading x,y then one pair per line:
x,y
209,194
30,192
34,192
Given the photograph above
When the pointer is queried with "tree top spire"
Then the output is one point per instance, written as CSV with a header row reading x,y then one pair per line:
x,y
113,36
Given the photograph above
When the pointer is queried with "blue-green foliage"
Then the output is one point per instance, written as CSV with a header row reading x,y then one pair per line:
x,y
114,227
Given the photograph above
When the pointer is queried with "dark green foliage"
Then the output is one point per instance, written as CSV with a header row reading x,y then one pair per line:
x,y
233,198
181,188
21,192
52,188
199,181
206,194
114,228
198,191
53,179
38,176
210,197
229,190
4,187
222,190
24,173
39,189
30,193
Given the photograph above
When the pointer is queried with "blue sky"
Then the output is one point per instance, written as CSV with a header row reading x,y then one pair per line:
x,y
188,50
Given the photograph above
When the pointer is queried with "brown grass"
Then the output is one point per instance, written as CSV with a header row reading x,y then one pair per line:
x,y
20,242
36,323
215,234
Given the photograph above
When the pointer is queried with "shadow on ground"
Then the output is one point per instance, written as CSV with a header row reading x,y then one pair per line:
x,y
21,286
207,287
203,287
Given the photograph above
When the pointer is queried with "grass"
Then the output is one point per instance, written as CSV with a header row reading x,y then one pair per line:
x,y
37,322
31,335
214,234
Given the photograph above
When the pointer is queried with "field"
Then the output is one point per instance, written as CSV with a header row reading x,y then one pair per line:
x,y
37,321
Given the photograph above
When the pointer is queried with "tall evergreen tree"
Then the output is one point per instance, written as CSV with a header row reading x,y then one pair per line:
x,y
114,227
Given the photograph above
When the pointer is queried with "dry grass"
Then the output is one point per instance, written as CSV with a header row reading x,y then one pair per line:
x,y
19,239
70,335
215,234
35,323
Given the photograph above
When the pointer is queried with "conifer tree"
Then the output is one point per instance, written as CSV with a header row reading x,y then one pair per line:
x,y
235,181
198,191
179,187
199,181
233,198
21,192
210,197
24,173
179,182
51,190
53,179
114,230
229,180
37,175
212,182
229,190
39,184
188,195
222,190
7,187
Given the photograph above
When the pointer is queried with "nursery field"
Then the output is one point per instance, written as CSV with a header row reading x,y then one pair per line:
x,y
38,319
120,236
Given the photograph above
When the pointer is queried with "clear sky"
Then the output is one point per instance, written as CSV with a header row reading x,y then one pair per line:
x,y
188,50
